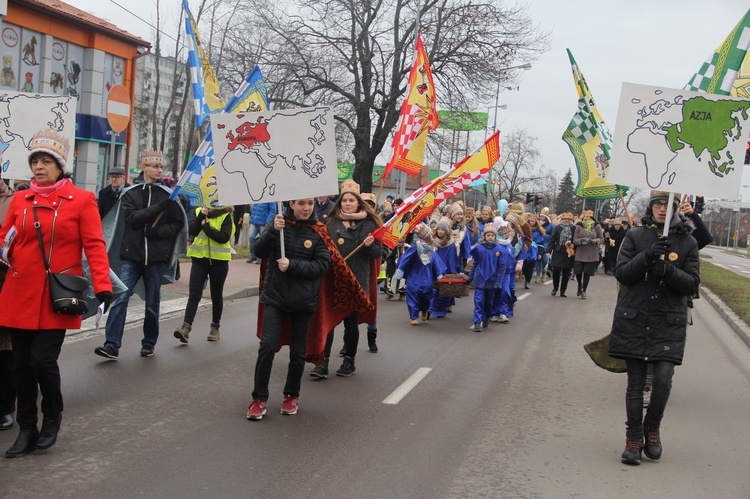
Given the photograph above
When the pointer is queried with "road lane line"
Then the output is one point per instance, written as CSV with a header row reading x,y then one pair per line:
x,y
547,282
407,386
720,265
523,296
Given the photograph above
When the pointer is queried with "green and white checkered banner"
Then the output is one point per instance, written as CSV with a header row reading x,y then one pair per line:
x,y
717,74
582,126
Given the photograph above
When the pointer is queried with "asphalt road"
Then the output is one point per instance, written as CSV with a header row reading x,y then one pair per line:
x,y
737,263
516,411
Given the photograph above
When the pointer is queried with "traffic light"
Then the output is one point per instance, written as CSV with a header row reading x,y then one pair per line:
x,y
700,203
537,200
747,154
528,197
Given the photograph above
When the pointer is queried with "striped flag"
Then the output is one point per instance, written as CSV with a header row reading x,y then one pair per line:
x,y
718,74
590,142
418,117
251,95
206,89
424,200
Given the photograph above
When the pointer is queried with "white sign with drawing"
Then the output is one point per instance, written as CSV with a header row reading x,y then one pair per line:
x,y
21,116
679,141
275,155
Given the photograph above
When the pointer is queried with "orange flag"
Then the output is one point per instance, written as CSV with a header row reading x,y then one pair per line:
x,y
418,117
425,199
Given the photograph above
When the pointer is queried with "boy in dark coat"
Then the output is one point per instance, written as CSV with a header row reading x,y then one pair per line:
x,y
657,275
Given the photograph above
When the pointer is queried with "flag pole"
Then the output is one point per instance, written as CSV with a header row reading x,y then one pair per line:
x,y
669,215
355,250
625,207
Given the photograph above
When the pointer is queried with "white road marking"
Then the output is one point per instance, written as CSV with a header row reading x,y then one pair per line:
x,y
722,266
547,282
525,295
407,386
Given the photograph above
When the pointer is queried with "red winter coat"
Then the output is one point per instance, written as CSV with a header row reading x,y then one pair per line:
x,y
25,301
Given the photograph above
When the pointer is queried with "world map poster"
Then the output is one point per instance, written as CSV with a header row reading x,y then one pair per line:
x,y
21,116
275,155
679,141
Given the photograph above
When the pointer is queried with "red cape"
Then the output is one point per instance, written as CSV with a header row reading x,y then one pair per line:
x,y
340,295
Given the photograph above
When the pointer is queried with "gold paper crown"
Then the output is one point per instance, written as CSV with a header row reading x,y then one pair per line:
x,y
50,142
152,157
369,196
567,215
587,212
350,186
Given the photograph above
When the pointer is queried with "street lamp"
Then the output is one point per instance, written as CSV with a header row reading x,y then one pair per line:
x,y
525,67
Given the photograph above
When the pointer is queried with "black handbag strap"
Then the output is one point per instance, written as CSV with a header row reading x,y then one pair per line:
x,y
37,226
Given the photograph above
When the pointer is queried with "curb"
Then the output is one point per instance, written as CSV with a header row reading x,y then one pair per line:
x,y
739,326
169,309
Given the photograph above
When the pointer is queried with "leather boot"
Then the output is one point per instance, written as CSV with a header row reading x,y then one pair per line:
x,y
182,333
632,453
48,435
652,448
347,368
372,335
25,443
214,334
6,422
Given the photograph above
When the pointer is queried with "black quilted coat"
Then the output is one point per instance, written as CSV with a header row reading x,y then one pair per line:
x,y
650,319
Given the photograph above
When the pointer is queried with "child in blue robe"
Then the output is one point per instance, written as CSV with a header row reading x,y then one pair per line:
x,y
487,274
421,267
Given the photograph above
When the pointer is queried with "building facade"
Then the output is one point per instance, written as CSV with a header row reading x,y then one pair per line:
x,y
49,47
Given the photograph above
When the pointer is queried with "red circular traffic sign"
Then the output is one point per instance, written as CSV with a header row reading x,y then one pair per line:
x,y
118,108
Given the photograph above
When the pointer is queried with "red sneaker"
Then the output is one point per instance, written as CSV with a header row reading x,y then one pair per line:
x,y
256,410
289,405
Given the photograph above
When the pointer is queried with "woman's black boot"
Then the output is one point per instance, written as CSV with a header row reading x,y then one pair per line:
x,y
48,435
25,443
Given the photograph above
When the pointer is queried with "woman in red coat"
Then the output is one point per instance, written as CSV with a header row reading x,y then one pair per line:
x,y
70,225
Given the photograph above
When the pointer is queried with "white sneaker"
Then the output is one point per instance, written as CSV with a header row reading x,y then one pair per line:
x,y
494,318
502,319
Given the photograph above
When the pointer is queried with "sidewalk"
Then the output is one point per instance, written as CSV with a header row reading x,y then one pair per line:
x,y
242,282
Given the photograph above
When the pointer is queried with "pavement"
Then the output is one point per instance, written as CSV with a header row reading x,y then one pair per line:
x,y
242,282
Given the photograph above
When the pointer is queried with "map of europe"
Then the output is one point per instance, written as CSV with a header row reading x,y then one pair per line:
x,y
670,132
275,155
23,114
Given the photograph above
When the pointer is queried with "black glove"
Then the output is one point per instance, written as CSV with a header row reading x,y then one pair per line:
x,y
106,298
164,205
661,270
150,232
658,249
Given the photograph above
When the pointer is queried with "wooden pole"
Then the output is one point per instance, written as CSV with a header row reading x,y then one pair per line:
x,y
625,207
279,207
354,251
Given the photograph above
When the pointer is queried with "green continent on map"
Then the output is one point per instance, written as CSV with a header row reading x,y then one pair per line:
x,y
708,126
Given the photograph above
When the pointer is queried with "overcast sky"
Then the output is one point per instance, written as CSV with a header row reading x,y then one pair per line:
x,y
654,42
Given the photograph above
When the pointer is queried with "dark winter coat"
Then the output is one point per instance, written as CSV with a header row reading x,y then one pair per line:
x,y
616,235
347,239
556,248
108,199
141,205
295,290
650,319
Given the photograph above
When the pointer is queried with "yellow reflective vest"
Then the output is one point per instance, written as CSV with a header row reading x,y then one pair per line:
x,y
205,247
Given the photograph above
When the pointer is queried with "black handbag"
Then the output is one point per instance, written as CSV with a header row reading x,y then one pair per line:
x,y
68,291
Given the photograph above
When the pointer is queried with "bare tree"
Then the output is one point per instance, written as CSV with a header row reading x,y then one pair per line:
x,y
518,169
354,55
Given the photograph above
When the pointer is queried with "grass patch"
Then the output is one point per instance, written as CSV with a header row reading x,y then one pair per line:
x,y
733,289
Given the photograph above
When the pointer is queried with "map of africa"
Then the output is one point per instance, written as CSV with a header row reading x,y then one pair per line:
x,y
679,141
275,155
22,115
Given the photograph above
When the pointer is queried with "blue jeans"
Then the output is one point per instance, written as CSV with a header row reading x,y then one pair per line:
x,y
253,232
130,273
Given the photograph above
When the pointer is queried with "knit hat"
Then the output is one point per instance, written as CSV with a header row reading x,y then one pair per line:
x,y
349,186
50,142
489,228
444,223
454,210
152,158
664,196
422,230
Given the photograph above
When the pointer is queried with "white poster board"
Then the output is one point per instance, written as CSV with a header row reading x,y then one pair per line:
x,y
21,116
275,155
679,141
